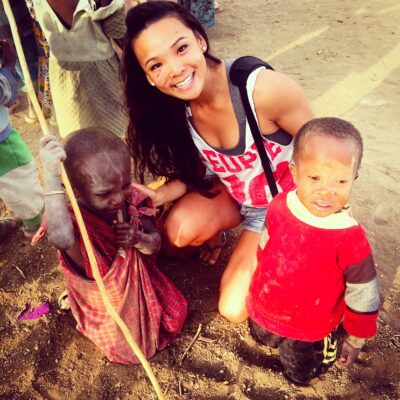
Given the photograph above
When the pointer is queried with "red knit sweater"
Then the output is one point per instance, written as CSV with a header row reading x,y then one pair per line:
x,y
312,273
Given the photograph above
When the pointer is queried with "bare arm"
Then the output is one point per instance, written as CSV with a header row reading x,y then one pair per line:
x,y
59,226
280,102
164,194
8,85
7,55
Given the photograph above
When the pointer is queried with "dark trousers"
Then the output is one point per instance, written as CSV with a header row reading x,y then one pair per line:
x,y
301,361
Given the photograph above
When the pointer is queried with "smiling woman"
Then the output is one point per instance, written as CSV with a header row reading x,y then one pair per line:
x,y
174,77
187,123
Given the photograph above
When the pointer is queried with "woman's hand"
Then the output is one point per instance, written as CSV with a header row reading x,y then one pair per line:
x,y
154,195
52,153
164,194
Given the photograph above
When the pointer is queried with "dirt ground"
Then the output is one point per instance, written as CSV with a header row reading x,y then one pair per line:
x,y
347,57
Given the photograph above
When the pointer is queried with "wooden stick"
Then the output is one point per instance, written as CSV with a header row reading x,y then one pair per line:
x,y
207,340
167,389
120,217
191,344
68,189
20,271
179,388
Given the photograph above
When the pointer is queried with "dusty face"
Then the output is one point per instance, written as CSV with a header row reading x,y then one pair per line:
x,y
107,184
172,57
324,173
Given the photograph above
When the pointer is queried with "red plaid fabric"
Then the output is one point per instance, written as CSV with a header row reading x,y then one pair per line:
x,y
153,309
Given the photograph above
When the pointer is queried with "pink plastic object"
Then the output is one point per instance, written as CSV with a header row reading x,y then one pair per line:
x,y
35,312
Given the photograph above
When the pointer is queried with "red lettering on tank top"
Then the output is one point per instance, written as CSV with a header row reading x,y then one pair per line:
x,y
257,192
226,160
247,159
284,176
212,157
258,187
237,187
272,149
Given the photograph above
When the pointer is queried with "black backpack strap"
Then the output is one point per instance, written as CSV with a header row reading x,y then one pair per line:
x,y
238,74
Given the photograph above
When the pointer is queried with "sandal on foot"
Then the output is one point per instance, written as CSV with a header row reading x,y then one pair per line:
x,y
7,226
212,250
63,301
30,231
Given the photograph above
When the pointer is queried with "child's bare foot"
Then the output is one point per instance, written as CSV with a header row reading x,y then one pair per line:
x,y
210,251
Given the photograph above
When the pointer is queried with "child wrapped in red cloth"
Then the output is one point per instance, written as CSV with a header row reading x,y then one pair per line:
x,y
99,168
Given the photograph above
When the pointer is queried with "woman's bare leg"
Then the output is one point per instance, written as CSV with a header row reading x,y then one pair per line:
x,y
194,218
236,278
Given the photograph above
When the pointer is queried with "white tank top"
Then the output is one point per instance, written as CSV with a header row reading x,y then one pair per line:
x,y
243,174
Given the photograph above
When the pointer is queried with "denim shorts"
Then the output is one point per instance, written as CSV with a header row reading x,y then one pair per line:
x,y
254,218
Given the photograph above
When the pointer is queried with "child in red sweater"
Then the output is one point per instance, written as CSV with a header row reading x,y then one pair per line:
x,y
315,267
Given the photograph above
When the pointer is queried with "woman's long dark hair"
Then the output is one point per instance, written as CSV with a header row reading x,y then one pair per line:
x,y
158,137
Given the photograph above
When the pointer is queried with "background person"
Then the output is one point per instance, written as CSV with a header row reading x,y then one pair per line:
x,y
83,66
19,182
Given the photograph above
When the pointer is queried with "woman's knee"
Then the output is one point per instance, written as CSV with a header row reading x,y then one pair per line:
x,y
190,227
181,230
232,312
174,232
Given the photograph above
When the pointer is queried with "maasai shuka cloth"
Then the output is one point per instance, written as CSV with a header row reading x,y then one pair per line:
x,y
153,309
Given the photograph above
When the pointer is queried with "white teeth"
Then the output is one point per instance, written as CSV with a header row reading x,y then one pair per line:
x,y
185,83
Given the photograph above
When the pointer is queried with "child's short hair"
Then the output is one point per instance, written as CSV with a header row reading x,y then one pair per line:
x,y
84,144
328,126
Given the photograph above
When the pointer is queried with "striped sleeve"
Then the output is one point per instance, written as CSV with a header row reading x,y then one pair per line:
x,y
362,290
